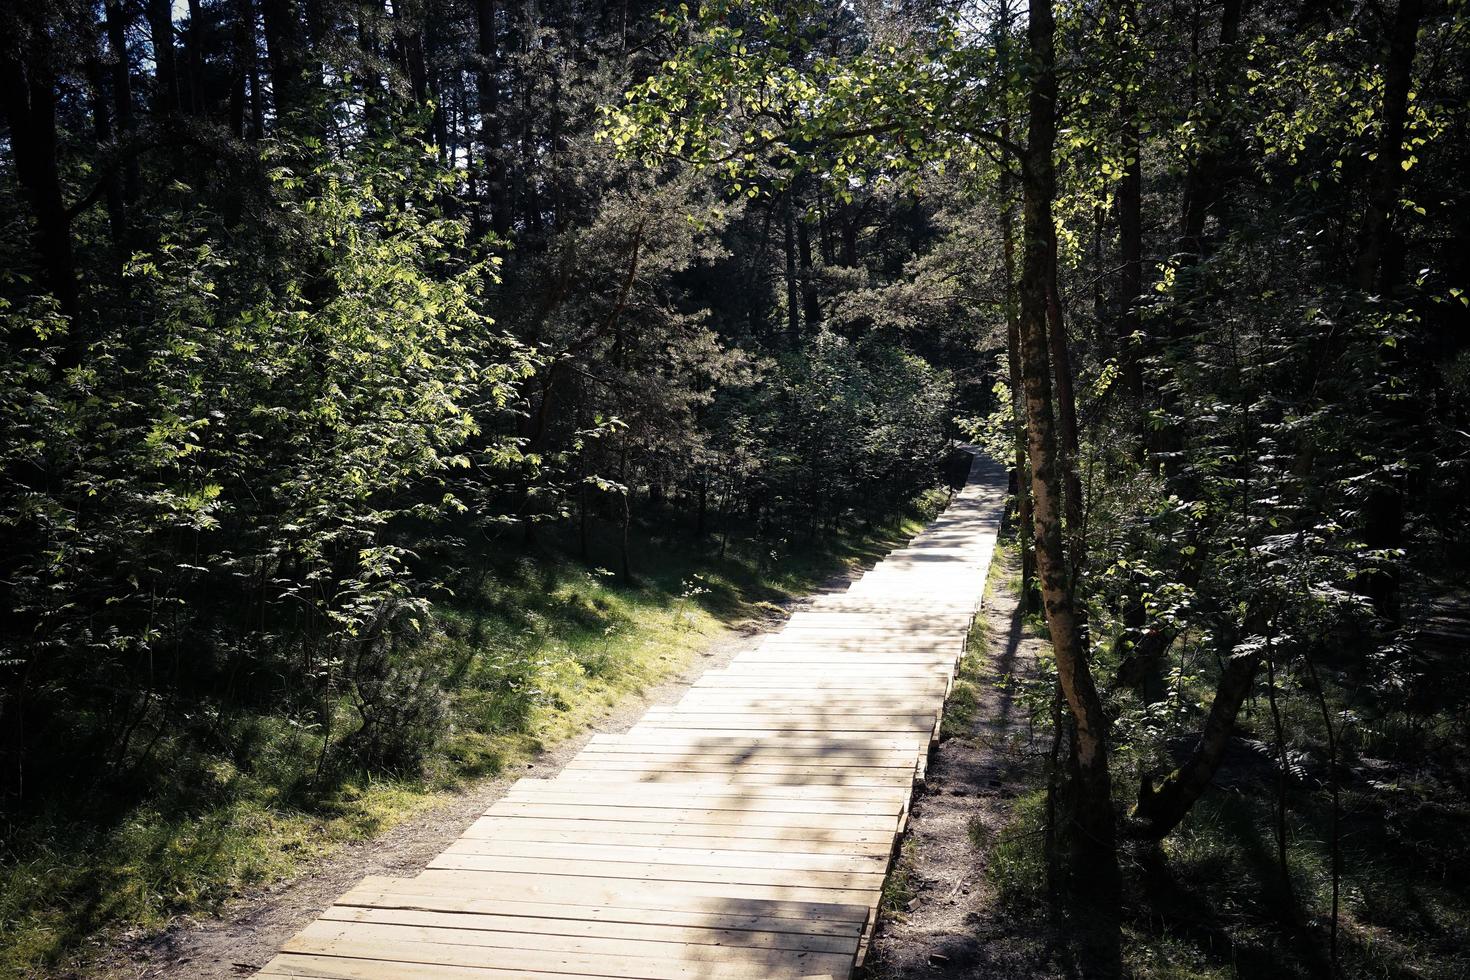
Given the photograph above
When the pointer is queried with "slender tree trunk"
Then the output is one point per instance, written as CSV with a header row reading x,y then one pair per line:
x,y
103,132
491,139
849,238
122,92
1378,249
811,309
1093,832
1066,409
1130,214
793,305
242,57
626,566
194,59
1202,182
1282,780
1336,829
1379,269
1161,807
1018,409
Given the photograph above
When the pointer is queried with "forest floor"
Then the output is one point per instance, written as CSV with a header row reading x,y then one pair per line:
x,y
942,911
250,929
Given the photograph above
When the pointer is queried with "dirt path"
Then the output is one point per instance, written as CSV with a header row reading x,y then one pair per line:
x,y
250,931
953,925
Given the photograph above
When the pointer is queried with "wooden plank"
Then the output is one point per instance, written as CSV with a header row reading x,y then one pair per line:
x,y
634,768
749,838
731,800
777,743
654,814
712,785
586,925
652,778
706,857
662,751
807,721
896,739
601,890
395,895
366,958
811,879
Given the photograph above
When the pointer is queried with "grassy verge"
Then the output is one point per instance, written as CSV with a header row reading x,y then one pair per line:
x,y
533,648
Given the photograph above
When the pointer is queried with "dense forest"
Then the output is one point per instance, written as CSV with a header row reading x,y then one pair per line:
x,y
331,324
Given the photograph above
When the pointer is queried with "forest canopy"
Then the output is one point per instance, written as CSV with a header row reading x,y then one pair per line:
x,y
320,315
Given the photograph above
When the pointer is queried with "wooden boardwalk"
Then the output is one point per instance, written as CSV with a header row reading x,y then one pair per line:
x,y
742,833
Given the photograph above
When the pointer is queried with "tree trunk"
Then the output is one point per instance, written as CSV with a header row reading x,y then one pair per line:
x,y
194,59
849,238
1160,808
1379,266
1018,403
122,92
811,309
1201,183
1130,219
1066,409
1378,247
491,150
1093,825
103,132
166,71
242,59
793,308
286,58
28,101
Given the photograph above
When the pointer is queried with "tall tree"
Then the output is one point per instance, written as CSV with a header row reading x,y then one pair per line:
x,y
492,127
29,54
1095,833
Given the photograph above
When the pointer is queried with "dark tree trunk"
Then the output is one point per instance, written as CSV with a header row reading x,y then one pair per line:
x,y
122,92
1130,222
117,223
1379,268
373,85
793,303
1018,409
849,238
165,60
28,100
286,56
242,61
1202,182
811,309
1161,807
194,59
1092,834
492,151
1379,251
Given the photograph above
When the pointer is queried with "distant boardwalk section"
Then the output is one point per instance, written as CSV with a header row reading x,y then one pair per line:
x,y
742,833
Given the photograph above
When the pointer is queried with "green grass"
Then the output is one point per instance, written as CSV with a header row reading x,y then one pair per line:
x,y
964,696
901,885
531,649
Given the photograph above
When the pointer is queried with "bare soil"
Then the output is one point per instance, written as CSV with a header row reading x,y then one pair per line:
x,y
954,926
247,934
